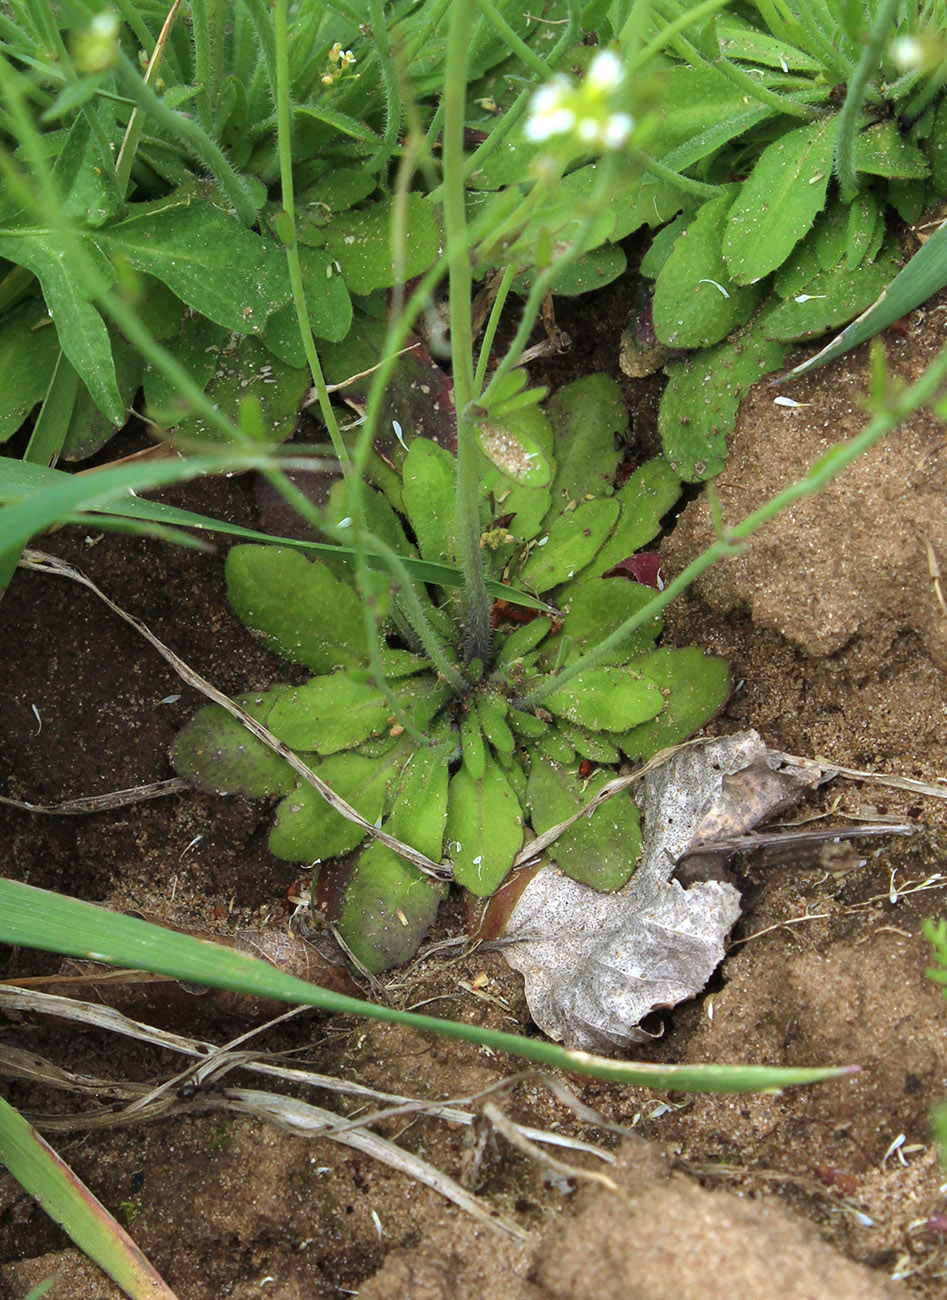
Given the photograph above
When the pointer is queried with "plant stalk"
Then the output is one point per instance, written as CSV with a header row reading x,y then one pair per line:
x,y
476,602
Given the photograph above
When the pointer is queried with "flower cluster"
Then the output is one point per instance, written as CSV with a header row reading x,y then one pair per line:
x,y
586,112
340,61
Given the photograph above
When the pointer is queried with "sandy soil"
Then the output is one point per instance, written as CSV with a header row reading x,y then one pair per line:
x,y
839,645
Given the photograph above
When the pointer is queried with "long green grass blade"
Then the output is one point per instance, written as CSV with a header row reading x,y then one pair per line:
x,y
21,482
37,918
39,1170
924,274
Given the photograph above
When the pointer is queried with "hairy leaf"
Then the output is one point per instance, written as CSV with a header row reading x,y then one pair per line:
x,y
643,501
597,606
832,298
881,150
220,756
600,851
779,200
607,699
308,829
570,544
29,348
587,416
211,261
696,684
388,908
81,330
329,713
699,405
360,242
696,302
484,828
321,627
429,486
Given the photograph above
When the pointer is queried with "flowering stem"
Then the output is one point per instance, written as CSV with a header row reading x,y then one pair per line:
x,y
476,602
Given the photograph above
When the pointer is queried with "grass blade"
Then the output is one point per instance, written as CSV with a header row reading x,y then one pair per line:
x,y
40,919
21,483
67,1200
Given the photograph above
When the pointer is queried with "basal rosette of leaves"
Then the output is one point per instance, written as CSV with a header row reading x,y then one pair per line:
x,y
465,775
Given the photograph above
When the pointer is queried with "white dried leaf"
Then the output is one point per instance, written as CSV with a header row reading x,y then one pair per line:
x,y
596,964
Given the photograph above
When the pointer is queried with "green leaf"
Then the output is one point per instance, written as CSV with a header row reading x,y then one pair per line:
x,y
908,198
429,485
328,304
419,810
830,233
85,179
696,685
593,270
340,188
570,544
321,627
220,756
832,298
881,150
329,713
600,851
863,216
207,257
924,274
779,200
512,446
89,429
740,41
938,149
555,744
247,369
519,643
659,250
29,348
699,405
801,266
197,348
360,242
701,111
597,606
388,908
81,330
587,417
696,302
473,750
643,502
491,707
484,828
308,829
607,699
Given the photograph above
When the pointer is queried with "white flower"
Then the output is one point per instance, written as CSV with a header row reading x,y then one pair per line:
x,y
549,111
605,71
586,112
617,130
908,53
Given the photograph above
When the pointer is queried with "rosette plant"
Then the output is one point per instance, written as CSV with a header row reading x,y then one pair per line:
x,y
444,725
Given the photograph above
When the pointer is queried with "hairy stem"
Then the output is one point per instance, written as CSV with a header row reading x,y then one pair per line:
x,y
476,602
